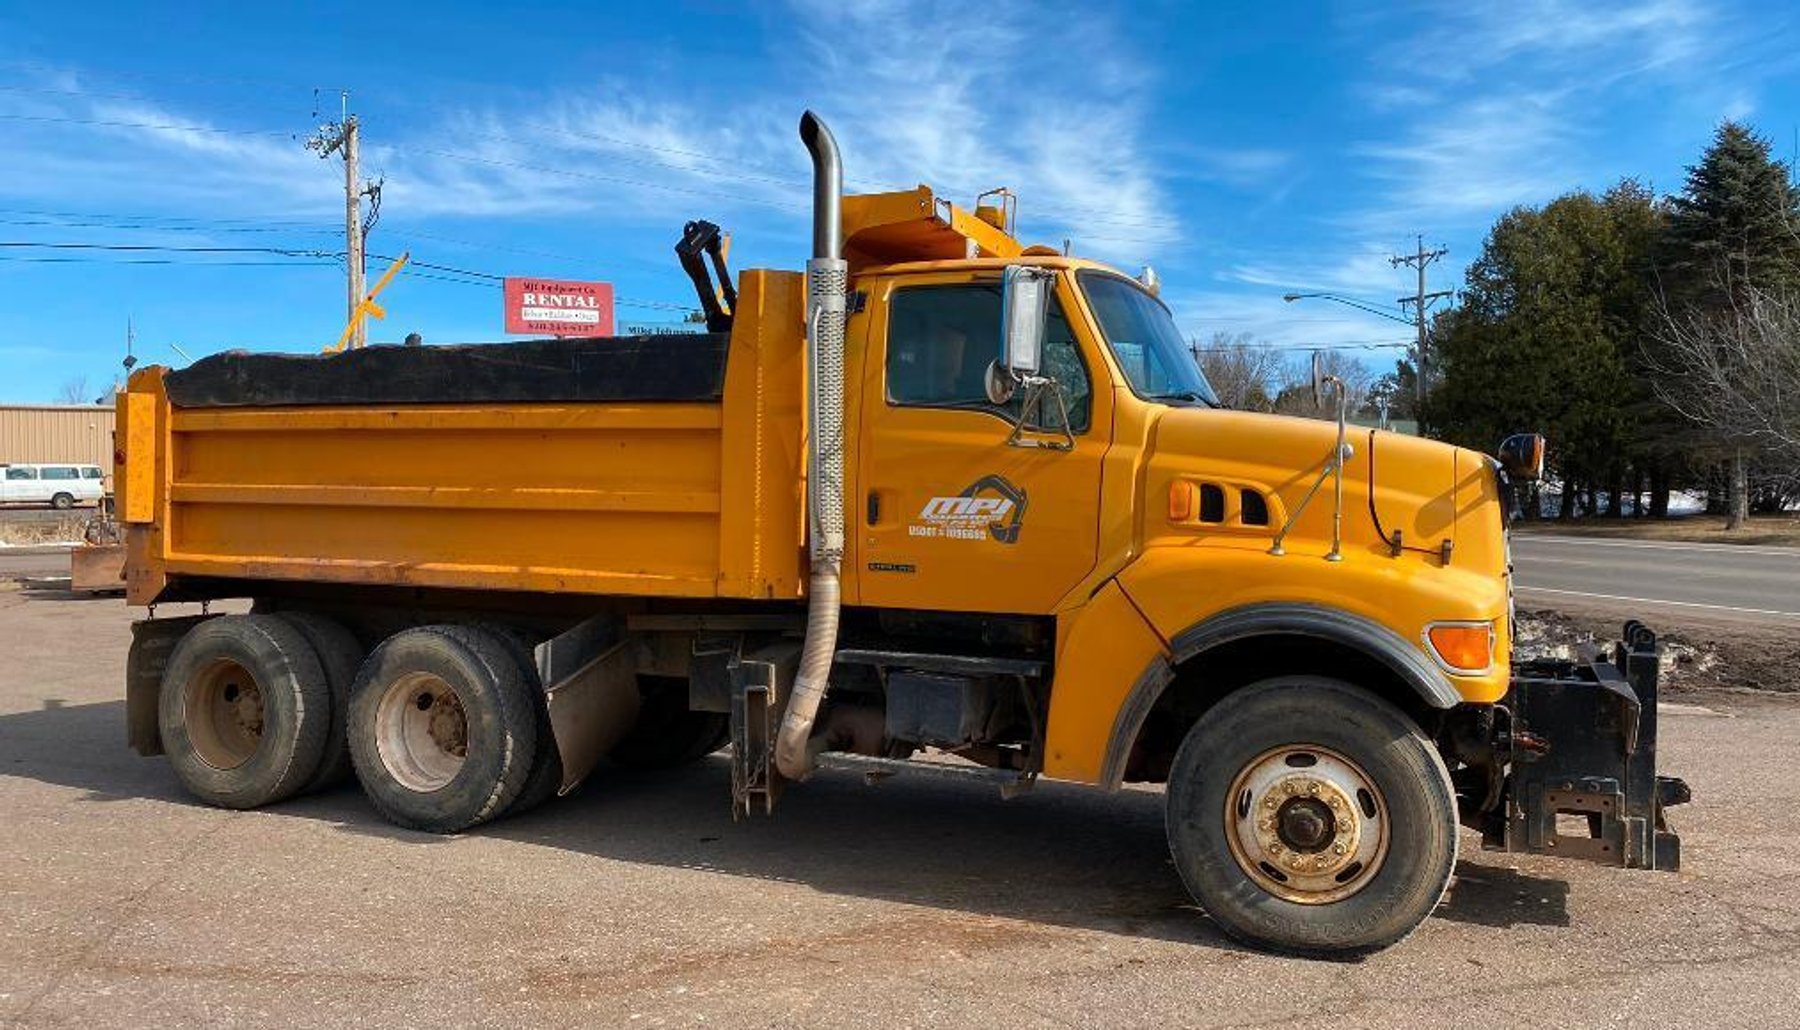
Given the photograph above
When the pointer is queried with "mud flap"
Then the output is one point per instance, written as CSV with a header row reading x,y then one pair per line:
x,y
152,641
1583,780
590,686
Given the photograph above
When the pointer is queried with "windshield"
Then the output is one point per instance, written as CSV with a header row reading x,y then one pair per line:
x,y
1143,337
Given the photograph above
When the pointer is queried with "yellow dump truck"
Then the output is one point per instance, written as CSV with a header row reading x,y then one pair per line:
x,y
944,503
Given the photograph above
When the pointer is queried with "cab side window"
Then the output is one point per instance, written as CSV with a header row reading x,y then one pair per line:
x,y
941,340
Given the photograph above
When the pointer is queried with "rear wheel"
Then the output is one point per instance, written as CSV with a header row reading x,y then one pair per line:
x,y
442,731
1307,815
63,502
340,656
545,778
668,733
244,711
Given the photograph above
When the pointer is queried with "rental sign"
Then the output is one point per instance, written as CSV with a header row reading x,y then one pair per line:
x,y
557,307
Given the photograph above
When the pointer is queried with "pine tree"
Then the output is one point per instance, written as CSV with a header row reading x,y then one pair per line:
x,y
1737,221
1734,230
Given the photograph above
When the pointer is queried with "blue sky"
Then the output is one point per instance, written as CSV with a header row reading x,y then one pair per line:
x,y
1245,150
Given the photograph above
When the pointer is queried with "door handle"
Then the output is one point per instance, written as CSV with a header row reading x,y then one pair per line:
x,y
874,507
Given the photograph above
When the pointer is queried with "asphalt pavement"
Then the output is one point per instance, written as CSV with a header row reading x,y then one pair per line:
x,y
1727,582
33,562
638,902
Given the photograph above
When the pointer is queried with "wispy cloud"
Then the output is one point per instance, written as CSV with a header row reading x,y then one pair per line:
x,y
1360,270
911,100
1495,99
1463,42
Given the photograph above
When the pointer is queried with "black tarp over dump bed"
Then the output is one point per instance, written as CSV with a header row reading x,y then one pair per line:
x,y
673,367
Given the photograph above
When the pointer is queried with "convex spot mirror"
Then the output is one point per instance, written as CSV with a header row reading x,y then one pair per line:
x,y
1522,457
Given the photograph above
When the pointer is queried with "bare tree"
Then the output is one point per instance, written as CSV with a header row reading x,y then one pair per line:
x,y
1241,372
74,390
1296,396
1734,370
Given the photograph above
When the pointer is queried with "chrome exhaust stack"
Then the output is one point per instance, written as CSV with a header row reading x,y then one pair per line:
x,y
827,280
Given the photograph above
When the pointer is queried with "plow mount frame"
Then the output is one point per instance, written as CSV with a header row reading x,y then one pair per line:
x,y
1579,738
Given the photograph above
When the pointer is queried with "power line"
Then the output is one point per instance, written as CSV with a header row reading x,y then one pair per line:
x,y
165,261
153,218
488,279
108,123
285,251
146,227
1280,347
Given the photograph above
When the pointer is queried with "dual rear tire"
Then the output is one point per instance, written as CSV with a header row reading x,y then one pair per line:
x,y
245,711
444,726
443,731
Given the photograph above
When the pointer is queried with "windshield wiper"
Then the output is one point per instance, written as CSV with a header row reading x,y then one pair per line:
x,y
1182,395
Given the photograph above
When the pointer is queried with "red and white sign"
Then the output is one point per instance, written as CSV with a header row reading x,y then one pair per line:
x,y
558,307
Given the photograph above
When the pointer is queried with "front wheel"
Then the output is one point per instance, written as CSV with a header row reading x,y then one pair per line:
x,y
1309,816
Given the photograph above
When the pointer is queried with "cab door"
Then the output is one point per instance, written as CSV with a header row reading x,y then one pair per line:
x,y
951,513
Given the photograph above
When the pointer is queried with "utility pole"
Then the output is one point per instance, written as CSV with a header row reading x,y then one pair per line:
x,y
1420,258
343,137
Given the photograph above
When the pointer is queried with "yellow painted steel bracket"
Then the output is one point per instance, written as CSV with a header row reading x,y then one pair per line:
x,y
368,308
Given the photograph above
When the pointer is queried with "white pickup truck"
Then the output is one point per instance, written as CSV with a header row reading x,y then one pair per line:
x,y
57,485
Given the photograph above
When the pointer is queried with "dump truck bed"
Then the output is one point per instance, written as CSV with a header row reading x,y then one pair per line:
x,y
651,466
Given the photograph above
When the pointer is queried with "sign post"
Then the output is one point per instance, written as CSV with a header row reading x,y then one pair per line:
x,y
558,307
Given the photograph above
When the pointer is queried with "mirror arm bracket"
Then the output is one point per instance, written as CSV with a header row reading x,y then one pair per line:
x,y
1035,388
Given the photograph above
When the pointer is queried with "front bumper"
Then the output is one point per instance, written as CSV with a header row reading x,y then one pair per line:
x,y
1566,765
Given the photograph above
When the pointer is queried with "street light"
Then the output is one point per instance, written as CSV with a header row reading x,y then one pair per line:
x,y
1357,304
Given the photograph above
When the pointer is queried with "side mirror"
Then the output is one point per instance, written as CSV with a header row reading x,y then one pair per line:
x,y
1522,457
1024,308
1318,380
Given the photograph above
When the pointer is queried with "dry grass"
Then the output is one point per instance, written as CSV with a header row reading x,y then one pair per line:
x,y
64,529
1778,530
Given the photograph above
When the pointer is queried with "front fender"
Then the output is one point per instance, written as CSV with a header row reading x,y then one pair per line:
x,y
1370,600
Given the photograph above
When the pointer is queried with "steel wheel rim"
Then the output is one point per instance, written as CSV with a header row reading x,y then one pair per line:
x,y
1306,824
421,732
223,714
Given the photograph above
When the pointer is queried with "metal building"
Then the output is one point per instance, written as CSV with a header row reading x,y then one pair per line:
x,y
56,432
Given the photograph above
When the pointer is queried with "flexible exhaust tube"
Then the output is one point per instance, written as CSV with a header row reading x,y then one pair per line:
x,y
827,278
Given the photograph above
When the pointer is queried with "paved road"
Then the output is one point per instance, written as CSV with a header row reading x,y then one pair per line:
x,y
1750,585
32,566
637,902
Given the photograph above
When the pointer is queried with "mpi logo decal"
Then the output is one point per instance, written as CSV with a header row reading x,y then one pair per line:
x,y
991,508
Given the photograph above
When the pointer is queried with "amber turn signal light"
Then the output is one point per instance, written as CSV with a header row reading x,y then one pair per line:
x,y
1183,501
1464,647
